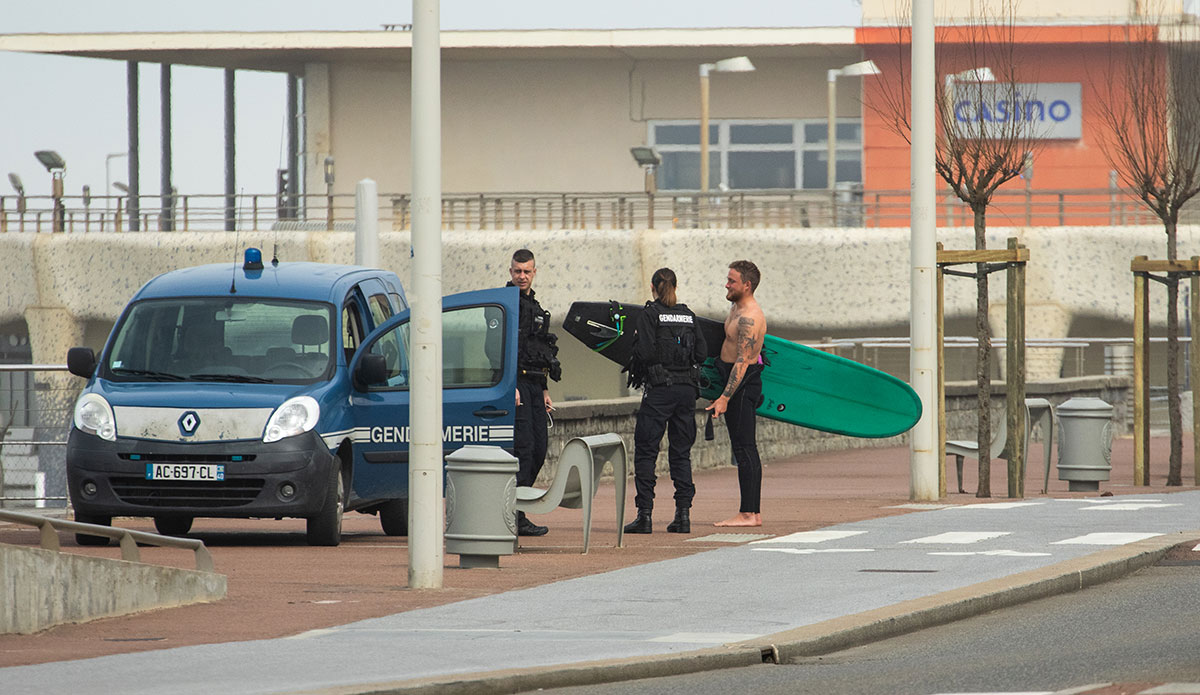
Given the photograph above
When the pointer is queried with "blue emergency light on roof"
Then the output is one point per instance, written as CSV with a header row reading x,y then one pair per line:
x,y
253,259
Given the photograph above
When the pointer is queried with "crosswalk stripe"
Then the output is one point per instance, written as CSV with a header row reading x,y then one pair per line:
x,y
1022,692
810,537
1106,538
810,551
997,553
998,505
960,537
1130,507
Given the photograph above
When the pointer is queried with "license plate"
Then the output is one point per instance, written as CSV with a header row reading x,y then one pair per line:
x,y
185,471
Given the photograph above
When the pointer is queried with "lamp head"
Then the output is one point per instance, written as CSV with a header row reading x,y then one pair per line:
x,y
866,67
645,156
16,183
973,75
736,64
50,159
120,186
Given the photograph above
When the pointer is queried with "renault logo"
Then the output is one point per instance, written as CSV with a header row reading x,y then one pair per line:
x,y
189,422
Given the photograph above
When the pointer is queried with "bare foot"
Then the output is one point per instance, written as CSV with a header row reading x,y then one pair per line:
x,y
742,519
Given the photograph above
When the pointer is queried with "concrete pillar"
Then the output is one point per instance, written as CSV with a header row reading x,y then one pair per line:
x,y
52,331
1042,320
317,143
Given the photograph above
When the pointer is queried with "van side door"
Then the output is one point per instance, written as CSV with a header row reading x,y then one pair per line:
x,y
479,365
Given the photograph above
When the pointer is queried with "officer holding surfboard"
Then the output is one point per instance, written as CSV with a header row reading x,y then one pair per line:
x,y
667,353
740,364
537,359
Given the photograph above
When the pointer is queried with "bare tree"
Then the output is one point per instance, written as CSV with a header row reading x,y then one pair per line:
x,y
987,134
1150,110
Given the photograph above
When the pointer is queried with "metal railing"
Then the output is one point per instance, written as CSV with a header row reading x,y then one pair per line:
x,y
632,210
129,539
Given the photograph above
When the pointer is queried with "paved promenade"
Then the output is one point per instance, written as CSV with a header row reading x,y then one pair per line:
x,y
842,558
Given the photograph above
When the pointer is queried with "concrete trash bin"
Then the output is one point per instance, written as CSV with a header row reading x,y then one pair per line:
x,y
481,505
1084,443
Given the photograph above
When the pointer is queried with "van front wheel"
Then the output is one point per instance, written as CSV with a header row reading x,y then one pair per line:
x,y
87,539
326,527
173,525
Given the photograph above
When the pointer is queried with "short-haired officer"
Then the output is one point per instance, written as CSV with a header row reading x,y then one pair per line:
x,y
537,359
668,351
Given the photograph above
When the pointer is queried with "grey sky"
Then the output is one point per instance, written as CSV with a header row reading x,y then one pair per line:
x,y
77,106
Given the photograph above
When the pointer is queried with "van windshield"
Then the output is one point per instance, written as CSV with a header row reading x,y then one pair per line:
x,y
222,339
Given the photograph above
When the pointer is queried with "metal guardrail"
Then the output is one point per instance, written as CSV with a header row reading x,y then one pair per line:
x,y
28,423
129,539
749,209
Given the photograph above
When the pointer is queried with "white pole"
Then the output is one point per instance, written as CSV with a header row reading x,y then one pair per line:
x,y
831,135
704,130
923,463
366,224
425,447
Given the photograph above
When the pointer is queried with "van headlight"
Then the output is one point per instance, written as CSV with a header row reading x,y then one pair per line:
x,y
296,416
94,415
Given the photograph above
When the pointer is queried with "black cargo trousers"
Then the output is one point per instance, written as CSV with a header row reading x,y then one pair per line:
x,y
670,409
530,437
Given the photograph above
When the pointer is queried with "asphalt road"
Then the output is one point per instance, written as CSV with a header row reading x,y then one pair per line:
x,y
1140,629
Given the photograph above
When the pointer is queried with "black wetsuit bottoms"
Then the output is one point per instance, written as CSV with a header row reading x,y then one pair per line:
x,y
670,409
530,437
739,418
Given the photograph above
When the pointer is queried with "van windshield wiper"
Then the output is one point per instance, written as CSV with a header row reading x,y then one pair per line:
x,y
240,378
148,373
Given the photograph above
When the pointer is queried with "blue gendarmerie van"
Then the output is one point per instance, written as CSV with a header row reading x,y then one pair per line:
x,y
275,390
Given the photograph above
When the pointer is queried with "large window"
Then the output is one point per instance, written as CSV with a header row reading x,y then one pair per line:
x,y
221,339
472,349
756,154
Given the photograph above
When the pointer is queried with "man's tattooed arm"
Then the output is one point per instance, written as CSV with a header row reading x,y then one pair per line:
x,y
745,347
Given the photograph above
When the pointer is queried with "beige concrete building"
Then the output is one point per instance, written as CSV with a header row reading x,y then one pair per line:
x,y
557,111
534,111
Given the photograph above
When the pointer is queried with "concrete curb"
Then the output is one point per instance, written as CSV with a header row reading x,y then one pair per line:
x,y
811,640
561,675
957,604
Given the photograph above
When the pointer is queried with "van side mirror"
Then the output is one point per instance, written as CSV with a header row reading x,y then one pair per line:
x,y
81,361
372,369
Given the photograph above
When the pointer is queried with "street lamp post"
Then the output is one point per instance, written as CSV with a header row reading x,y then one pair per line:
x,y
108,177
860,69
124,189
329,193
738,64
20,189
57,167
87,208
649,160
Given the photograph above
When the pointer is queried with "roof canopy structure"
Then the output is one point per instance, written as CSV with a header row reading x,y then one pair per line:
x,y
290,51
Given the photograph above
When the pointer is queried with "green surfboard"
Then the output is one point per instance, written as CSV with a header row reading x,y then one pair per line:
x,y
801,385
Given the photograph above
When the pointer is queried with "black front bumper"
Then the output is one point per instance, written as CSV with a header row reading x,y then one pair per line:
x,y
256,475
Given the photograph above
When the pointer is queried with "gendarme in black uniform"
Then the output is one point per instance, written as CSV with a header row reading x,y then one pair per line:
x,y
537,359
667,353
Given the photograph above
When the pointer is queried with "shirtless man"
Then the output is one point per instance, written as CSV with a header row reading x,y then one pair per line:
x,y
745,329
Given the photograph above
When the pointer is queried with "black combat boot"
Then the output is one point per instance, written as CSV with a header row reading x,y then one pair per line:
x,y
683,521
525,527
641,524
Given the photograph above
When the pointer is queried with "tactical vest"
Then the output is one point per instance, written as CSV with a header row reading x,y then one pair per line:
x,y
537,347
674,345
